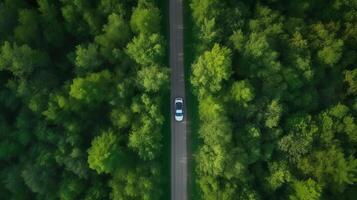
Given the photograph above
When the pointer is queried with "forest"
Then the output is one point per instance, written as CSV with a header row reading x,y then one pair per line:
x,y
84,87
82,94
276,86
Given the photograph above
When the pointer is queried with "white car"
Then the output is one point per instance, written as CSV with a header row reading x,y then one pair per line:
x,y
179,109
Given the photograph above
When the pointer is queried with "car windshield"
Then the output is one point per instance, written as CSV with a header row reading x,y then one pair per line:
x,y
178,106
179,114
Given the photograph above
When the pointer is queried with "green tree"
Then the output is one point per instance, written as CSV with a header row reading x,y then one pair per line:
x,y
53,28
8,149
279,174
298,142
97,191
145,18
273,114
121,117
146,50
87,58
13,182
136,183
324,39
9,17
330,166
104,153
351,80
21,61
238,40
70,188
28,30
208,33
39,180
205,9
145,138
306,190
90,89
116,34
153,79
146,134
242,92
211,69
331,53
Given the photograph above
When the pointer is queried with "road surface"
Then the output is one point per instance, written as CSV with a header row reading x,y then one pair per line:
x,y
178,129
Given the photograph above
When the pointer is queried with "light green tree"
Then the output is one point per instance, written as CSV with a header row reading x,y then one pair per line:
x,y
279,174
141,182
93,88
115,34
273,114
306,190
145,19
146,50
331,167
242,92
351,80
153,79
238,40
211,69
87,58
21,61
104,153
298,142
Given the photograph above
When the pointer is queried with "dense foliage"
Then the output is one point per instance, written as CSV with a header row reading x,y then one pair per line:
x,y
277,100
81,97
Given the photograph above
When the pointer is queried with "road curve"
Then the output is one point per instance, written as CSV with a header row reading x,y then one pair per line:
x,y
178,129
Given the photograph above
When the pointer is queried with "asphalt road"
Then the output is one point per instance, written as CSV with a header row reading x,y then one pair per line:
x,y
178,129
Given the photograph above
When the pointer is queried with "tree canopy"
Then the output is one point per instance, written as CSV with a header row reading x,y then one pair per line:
x,y
275,85
82,87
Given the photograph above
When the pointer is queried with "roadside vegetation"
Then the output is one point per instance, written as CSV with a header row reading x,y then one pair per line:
x,y
82,87
276,84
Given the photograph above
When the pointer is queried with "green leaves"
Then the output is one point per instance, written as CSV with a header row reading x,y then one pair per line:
x,y
306,190
329,47
205,9
298,142
145,19
238,40
87,58
211,69
153,79
278,105
279,174
351,80
331,53
71,188
116,32
146,50
104,154
146,134
242,92
21,61
91,88
28,30
136,183
68,71
330,166
273,114
145,138
38,180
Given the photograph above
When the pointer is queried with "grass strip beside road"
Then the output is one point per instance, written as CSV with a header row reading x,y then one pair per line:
x,y
192,103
